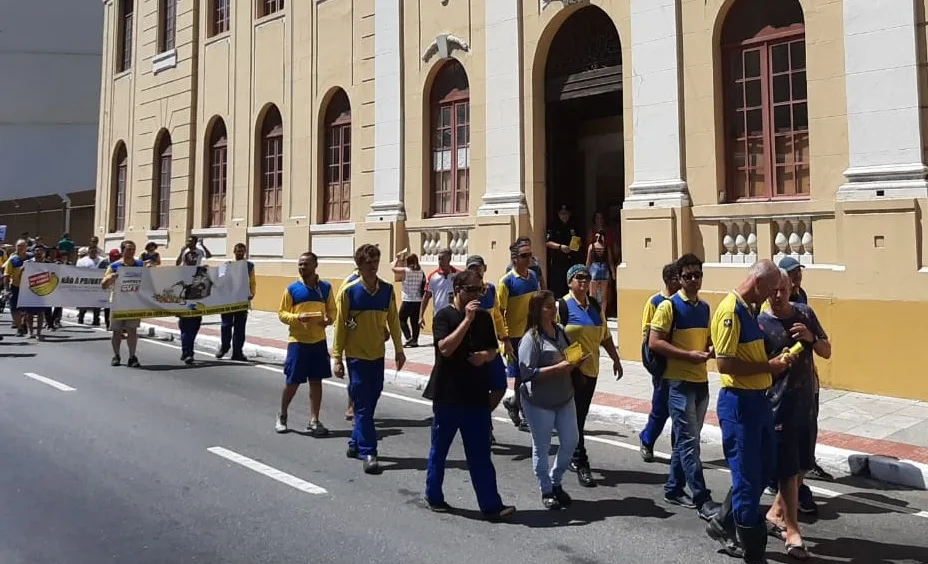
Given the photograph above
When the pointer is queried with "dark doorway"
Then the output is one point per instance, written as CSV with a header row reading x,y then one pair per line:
x,y
584,127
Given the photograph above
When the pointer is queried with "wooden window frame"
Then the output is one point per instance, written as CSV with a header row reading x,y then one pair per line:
x,y
167,39
764,44
268,7
125,27
272,172
161,200
453,101
120,181
336,199
218,177
220,16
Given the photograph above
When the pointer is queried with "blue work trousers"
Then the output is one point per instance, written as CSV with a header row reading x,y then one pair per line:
x,y
189,327
688,402
233,331
660,411
365,383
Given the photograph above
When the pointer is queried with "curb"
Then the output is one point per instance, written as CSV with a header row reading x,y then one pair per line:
x,y
835,460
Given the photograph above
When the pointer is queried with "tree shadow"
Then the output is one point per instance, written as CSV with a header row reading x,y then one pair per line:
x,y
830,509
857,551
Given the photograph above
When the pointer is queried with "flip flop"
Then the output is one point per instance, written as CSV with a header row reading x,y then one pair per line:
x,y
797,551
776,531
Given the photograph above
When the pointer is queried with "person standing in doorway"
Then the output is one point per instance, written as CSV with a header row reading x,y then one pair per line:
x,y
119,326
563,243
438,286
585,323
365,309
660,411
465,344
601,265
232,329
307,308
406,269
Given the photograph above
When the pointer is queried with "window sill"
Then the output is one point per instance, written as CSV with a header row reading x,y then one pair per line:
x,y
122,74
224,36
332,228
442,222
264,20
266,230
764,209
164,61
209,231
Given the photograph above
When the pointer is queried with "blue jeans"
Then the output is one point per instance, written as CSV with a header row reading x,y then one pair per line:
x,y
659,412
473,421
750,448
688,402
542,421
365,383
189,327
233,331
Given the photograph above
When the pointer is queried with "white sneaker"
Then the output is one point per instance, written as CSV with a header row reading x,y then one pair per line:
x,y
281,426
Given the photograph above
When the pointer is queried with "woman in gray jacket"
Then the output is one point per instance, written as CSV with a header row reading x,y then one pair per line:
x,y
548,396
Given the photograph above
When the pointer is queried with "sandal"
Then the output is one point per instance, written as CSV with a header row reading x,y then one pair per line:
x,y
776,531
797,551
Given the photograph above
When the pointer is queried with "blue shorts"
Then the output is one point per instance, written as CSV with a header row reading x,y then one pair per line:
x,y
498,374
307,362
599,271
512,369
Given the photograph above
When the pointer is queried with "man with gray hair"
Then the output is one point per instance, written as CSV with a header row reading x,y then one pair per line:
x,y
744,412
438,286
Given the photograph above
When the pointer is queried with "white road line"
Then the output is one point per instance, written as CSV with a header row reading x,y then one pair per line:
x,y
822,492
268,471
53,383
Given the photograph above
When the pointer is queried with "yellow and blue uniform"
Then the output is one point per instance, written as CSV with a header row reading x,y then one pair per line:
x,y
13,269
360,319
660,411
232,326
744,412
686,324
513,295
307,352
490,303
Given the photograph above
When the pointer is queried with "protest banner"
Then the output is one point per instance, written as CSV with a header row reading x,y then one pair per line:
x,y
58,285
180,291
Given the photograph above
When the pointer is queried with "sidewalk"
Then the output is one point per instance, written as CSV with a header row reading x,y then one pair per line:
x,y
885,438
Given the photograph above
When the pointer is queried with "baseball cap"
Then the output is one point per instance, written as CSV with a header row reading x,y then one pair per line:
x,y
789,264
575,270
114,254
474,260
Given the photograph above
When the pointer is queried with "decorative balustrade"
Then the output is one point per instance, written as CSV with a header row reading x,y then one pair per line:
x,y
738,241
434,240
793,237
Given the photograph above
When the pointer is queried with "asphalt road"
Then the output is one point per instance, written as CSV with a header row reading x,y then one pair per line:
x,y
134,466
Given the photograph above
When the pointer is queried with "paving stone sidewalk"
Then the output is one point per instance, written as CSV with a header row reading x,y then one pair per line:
x,y
884,437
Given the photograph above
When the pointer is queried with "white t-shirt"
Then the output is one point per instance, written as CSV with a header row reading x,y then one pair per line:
x,y
87,262
441,286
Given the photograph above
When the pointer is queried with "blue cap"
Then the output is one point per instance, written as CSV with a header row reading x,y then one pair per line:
x,y
575,270
789,264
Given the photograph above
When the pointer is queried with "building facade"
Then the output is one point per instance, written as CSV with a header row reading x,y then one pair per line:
x,y
734,129
50,69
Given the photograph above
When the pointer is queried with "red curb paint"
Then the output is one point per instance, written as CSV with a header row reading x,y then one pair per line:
x,y
845,441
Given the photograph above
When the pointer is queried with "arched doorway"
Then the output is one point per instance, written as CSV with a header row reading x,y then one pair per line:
x,y
585,164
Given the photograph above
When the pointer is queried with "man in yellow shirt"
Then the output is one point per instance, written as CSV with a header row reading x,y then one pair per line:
x,y
680,333
12,276
659,410
365,308
744,412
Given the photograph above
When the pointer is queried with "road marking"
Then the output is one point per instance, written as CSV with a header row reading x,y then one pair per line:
x,y
53,383
268,471
822,492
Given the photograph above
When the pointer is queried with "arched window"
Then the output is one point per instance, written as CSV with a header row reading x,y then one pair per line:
x,y
124,25
167,26
272,168
337,159
765,97
217,173
161,195
450,140
219,16
118,189
268,7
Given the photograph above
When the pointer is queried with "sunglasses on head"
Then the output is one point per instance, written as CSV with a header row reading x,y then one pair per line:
x,y
691,276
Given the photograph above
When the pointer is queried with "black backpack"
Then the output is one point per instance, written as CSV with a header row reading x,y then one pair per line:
x,y
655,363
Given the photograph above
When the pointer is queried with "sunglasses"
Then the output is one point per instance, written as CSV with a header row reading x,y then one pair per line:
x,y
691,276
582,278
481,290
525,255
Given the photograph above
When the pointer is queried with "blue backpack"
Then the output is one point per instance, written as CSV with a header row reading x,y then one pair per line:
x,y
653,362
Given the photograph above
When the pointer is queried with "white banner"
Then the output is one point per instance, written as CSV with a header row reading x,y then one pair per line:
x,y
180,291
57,285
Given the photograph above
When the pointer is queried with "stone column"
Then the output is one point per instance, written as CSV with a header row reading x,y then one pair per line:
x,y
388,113
503,194
656,112
884,136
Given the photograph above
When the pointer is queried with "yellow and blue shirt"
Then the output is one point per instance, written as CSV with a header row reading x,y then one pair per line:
x,y
298,298
252,281
736,334
114,267
489,303
14,269
513,295
690,323
360,319
587,326
649,308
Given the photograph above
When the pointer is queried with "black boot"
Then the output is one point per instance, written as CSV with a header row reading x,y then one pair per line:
x,y
754,541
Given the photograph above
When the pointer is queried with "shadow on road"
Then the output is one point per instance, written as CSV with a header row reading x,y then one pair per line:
x,y
856,551
180,366
393,463
16,355
403,422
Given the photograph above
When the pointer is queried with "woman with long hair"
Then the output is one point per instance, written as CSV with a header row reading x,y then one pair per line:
x,y
601,264
406,269
548,396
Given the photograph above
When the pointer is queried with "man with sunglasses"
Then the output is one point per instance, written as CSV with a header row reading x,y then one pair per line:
x,y
680,333
515,290
465,343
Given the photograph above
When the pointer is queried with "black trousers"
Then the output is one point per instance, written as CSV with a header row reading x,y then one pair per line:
x,y
584,389
409,319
